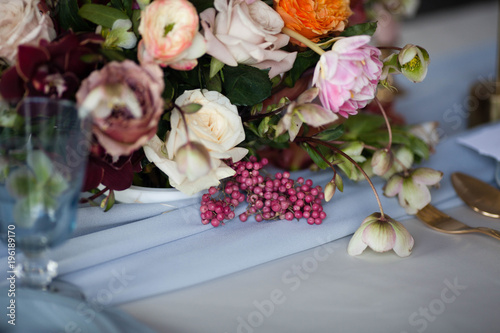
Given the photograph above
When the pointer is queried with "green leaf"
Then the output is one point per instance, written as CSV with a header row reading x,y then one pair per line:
x,y
363,123
136,18
304,61
317,159
108,202
367,28
245,85
56,185
419,147
113,55
331,133
41,165
68,17
201,5
191,108
339,182
215,66
21,182
263,126
102,15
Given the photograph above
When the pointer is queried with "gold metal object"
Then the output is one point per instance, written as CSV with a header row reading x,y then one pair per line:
x,y
481,197
439,221
486,95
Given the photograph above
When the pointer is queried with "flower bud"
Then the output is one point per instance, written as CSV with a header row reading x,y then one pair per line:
x,y
382,161
193,160
330,190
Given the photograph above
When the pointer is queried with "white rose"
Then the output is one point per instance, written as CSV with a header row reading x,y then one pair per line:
x,y
216,125
21,22
241,33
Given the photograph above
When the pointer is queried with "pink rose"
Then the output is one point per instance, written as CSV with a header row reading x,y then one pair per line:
x,y
126,104
21,22
170,35
240,32
348,74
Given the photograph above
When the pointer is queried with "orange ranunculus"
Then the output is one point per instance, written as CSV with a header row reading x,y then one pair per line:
x,y
314,18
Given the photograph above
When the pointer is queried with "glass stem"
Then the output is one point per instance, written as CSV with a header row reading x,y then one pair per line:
x,y
36,270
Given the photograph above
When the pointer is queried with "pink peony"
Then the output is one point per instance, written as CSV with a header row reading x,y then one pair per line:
x,y
21,22
348,74
126,104
170,35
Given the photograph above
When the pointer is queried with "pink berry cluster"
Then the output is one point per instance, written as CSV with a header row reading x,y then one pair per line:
x,y
268,198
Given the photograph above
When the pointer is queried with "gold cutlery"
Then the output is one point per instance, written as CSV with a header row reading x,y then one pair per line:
x,y
439,221
481,197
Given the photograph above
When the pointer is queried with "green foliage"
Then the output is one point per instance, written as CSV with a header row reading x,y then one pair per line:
x,y
331,134
317,159
362,123
246,85
102,15
69,18
367,28
123,5
304,61
201,5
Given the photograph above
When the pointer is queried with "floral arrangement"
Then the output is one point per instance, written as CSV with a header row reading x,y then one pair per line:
x,y
200,95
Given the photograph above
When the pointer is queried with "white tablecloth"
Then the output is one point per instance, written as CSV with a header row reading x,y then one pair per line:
x,y
176,275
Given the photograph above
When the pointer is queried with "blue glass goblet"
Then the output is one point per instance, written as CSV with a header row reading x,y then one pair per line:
x,y
43,154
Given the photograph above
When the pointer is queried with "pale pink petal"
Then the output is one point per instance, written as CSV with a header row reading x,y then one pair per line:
x,y
315,115
415,195
350,43
404,241
356,245
427,176
380,236
393,186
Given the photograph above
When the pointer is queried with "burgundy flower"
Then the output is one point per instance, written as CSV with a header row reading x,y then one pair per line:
x,y
116,175
53,69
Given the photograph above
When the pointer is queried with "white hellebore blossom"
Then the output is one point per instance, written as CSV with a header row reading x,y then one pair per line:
x,y
119,35
411,188
217,126
381,235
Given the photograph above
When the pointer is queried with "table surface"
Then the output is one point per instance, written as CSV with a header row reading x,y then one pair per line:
x,y
450,283
138,265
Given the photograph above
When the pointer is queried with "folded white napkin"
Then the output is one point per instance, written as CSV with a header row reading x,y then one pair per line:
x,y
486,141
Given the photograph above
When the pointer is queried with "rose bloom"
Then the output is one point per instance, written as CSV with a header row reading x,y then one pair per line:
x,y
239,32
170,35
21,22
314,19
217,126
348,74
125,102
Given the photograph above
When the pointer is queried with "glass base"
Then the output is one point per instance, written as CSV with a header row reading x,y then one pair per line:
x,y
36,271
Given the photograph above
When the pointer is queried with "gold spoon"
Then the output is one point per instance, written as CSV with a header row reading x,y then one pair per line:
x,y
481,197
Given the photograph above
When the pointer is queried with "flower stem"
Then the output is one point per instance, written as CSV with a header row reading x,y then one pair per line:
x,y
313,46
389,48
389,130
183,120
339,151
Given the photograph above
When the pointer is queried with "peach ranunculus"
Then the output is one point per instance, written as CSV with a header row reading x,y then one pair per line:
x,y
21,22
314,19
249,33
217,126
170,36
126,104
